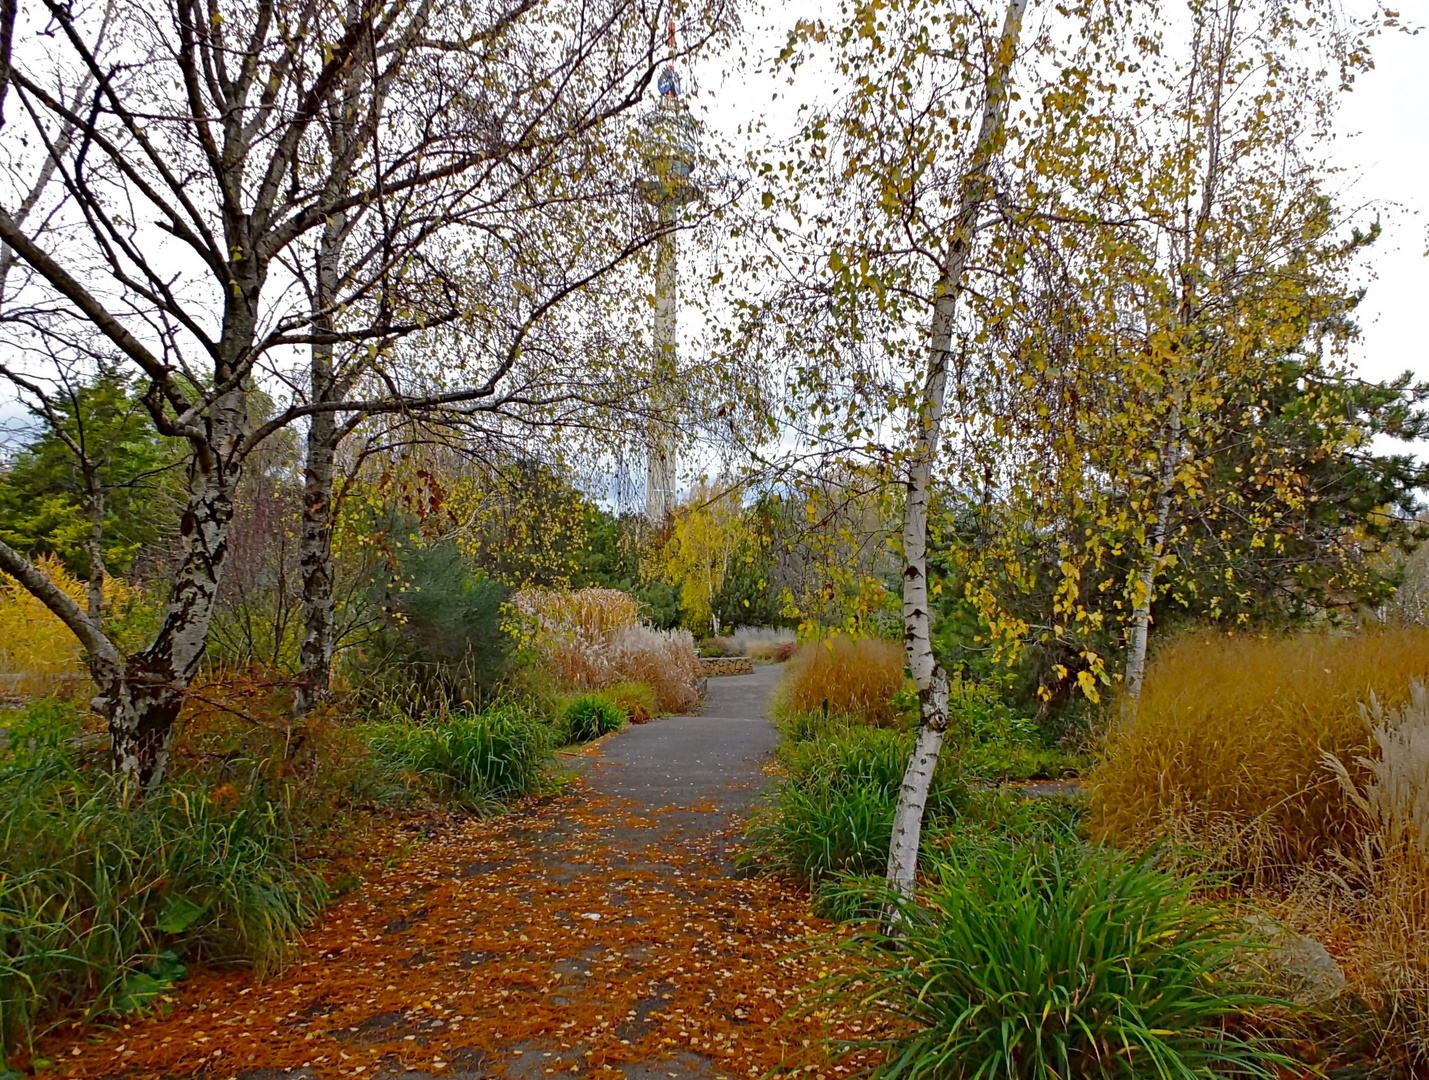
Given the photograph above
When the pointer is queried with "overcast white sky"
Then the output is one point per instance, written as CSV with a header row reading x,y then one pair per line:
x,y
1383,147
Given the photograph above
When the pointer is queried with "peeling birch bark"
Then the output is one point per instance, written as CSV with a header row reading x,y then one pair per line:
x,y
142,704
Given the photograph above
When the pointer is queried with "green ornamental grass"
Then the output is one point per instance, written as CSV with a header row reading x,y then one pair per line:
x,y
1055,961
102,898
832,813
589,716
480,759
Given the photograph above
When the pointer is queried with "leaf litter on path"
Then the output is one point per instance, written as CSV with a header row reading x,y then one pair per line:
x,y
576,936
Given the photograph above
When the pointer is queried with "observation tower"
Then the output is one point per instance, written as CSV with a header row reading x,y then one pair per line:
x,y
669,147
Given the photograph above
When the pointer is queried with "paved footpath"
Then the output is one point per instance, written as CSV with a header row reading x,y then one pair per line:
x,y
602,933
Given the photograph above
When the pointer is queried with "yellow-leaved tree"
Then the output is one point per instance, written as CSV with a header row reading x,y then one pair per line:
x,y
707,533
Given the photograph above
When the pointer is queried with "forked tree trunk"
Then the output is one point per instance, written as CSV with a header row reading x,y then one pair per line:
x,y
928,677
141,700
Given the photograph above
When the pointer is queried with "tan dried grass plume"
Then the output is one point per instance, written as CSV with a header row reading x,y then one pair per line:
x,y
855,677
1227,744
1391,863
592,639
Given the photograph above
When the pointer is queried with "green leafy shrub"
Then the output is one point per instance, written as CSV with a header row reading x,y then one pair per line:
x,y
993,742
1048,960
832,813
589,716
438,639
479,759
100,897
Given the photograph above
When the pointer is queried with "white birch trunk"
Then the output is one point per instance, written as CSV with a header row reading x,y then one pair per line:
x,y
1152,558
928,677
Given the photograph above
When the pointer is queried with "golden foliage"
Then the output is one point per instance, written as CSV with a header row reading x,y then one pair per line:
x,y
850,676
1226,751
38,653
707,534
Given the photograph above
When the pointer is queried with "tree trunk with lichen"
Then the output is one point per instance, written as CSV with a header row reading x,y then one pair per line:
x,y
141,701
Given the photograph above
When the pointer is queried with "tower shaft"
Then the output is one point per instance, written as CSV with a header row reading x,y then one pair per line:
x,y
661,466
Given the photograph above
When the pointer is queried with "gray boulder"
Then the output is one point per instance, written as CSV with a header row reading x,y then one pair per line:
x,y
1298,968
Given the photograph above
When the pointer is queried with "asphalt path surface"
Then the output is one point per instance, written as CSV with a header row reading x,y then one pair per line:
x,y
606,932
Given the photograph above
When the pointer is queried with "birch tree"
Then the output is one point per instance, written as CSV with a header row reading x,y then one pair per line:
x,y
886,199
1199,254
929,677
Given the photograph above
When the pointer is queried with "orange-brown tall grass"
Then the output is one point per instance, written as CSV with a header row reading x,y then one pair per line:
x,y
1226,749
856,677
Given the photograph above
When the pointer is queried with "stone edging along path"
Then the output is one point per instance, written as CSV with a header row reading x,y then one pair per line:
x,y
602,933
726,665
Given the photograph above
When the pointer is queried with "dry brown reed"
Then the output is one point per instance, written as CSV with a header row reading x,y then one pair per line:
x,y
855,677
664,660
592,639
1226,750
759,643
1390,865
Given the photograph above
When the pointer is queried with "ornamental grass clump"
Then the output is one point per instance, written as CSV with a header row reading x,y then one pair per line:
x,y
638,699
832,810
572,630
762,643
103,896
481,760
664,660
1225,752
589,716
1050,961
593,639
843,676
1389,868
